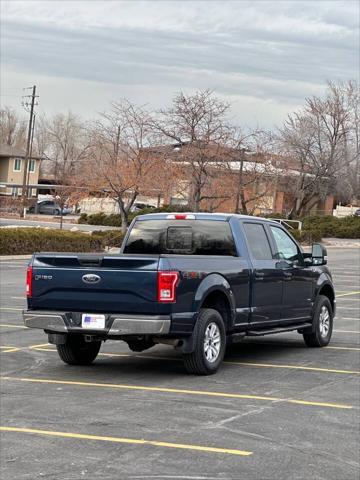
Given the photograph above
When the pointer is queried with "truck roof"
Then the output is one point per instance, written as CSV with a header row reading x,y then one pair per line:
x,y
201,216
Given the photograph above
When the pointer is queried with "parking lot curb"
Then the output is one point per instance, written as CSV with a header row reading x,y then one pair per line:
x,y
15,257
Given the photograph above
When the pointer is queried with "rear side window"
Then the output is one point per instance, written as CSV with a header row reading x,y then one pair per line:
x,y
258,242
181,237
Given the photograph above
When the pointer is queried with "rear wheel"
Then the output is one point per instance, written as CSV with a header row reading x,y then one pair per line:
x,y
78,352
209,342
322,324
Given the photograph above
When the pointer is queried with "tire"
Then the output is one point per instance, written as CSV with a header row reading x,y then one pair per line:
x,y
209,341
78,352
322,324
56,212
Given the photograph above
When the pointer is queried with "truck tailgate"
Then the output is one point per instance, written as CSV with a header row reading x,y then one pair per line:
x,y
95,283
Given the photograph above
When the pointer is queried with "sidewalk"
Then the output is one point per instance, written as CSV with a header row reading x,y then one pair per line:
x,y
14,257
341,242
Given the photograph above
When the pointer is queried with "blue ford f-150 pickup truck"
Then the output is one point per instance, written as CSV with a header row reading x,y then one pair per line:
x,y
195,281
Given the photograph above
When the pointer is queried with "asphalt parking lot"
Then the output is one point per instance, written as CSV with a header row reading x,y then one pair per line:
x,y
275,410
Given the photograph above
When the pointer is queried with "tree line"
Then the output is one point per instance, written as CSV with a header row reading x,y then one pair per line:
x,y
191,149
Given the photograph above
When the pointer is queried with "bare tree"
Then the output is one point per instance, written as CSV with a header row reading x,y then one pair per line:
x,y
348,181
249,161
120,162
64,143
196,125
316,141
12,128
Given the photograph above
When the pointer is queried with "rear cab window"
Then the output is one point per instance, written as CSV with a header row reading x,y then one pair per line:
x,y
258,241
181,237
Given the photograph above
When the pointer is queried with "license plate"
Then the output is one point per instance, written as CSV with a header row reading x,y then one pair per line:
x,y
92,320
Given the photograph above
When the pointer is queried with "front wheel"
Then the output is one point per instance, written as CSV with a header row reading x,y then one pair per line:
x,y
322,324
209,344
78,352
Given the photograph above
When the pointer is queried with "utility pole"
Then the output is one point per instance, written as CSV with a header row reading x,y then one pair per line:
x,y
33,96
31,148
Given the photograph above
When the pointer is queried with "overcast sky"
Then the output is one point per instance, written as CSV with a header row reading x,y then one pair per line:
x,y
262,56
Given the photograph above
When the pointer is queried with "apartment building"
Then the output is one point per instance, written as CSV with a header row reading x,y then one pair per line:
x,y
12,164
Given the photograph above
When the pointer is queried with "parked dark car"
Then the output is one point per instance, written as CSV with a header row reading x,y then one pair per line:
x,y
49,207
195,281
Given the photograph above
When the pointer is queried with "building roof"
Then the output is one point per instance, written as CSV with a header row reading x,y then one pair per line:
x,y
11,151
7,151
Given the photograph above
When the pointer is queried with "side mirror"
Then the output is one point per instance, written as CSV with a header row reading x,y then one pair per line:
x,y
318,254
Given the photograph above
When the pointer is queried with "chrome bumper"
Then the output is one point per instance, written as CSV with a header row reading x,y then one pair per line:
x,y
116,325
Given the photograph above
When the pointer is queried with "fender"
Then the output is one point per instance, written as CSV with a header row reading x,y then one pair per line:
x,y
211,283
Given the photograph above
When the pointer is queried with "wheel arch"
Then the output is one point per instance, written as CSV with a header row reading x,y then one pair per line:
x,y
215,292
328,291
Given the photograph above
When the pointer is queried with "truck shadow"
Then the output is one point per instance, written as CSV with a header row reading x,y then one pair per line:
x,y
165,361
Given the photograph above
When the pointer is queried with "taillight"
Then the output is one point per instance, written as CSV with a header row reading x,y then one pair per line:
x,y
29,281
167,282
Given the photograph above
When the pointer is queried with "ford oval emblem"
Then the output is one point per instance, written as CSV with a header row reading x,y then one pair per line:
x,y
91,278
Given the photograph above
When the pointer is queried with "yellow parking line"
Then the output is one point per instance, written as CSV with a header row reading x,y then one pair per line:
x,y
348,293
295,367
154,443
355,349
179,391
40,345
8,325
346,331
17,349
5,349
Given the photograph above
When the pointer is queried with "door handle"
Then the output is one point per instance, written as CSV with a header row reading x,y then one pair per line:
x,y
287,275
259,275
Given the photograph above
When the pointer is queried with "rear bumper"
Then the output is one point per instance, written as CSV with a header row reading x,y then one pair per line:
x,y
116,325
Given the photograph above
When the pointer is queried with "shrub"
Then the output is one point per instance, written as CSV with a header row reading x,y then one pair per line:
x,y
83,218
24,241
328,226
307,236
109,238
351,231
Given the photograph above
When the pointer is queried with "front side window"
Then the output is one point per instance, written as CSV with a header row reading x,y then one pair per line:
x,y
181,237
17,165
258,241
286,248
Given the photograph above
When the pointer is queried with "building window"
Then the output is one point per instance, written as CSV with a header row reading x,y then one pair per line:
x,y
14,192
33,192
32,166
17,165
